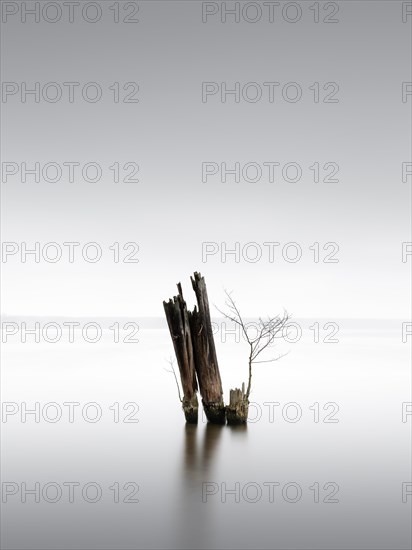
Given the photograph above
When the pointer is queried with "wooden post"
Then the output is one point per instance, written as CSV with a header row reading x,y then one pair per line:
x,y
238,408
207,369
178,320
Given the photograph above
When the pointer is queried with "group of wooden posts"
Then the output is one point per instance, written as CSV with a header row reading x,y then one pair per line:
x,y
195,350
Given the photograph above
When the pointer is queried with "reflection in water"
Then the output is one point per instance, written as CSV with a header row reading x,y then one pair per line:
x,y
211,438
198,459
189,449
239,430
195,524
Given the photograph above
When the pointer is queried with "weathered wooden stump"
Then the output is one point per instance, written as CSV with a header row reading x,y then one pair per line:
x,y
177,317
238,408
194,346
207,368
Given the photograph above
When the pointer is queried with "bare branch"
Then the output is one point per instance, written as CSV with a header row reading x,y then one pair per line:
x,y
171,363
268,332
274,359
234,314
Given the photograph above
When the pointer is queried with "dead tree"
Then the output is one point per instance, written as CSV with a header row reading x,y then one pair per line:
x,y
207,369
177,317
267,332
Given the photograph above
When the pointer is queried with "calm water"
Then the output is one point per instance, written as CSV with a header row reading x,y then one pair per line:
x,y
320,464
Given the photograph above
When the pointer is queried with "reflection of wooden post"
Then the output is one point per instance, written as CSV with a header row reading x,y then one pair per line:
x,y
178,321
207,369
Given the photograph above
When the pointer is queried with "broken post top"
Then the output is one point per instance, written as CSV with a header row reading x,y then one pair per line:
x,y
197,280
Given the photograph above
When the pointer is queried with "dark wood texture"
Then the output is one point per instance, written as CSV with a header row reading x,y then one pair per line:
x,y
204,351
177,317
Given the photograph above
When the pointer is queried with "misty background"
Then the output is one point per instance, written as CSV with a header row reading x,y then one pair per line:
x,y
170,223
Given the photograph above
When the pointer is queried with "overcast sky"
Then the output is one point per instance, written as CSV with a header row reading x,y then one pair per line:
x,y
360,61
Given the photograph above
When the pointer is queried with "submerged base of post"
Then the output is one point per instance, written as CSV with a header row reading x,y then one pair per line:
x,y
215,412
191,408
238,408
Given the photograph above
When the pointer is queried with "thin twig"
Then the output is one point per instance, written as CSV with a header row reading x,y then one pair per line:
x,y
268,332
171,361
